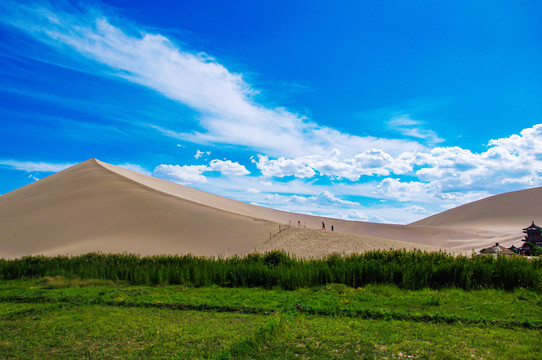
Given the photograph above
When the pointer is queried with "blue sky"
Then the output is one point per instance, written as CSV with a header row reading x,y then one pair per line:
x,y
384,111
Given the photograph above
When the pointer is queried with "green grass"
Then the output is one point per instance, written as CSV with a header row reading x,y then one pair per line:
x,y
408,270
59,318
520,305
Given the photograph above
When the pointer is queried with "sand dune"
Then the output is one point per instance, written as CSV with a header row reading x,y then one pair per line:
x,y
458,238
95,206
90,208
505,212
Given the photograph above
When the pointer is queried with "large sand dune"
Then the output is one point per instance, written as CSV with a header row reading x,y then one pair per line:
x,y
95,206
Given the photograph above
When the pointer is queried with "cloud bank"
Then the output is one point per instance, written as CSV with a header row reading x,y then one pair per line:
x,y
228,112
295,161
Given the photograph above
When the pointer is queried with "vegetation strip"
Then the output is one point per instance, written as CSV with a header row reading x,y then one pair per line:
x,y
407,270
160,305
31,311
425,318
362,314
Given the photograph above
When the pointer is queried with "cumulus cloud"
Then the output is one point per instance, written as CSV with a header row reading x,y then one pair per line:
x,y
228,167
505,165
186,174
441,175
323,200
402,191
367,163
282,167
341,209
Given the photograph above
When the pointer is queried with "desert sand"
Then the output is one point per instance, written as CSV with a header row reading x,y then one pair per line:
x,y
95,206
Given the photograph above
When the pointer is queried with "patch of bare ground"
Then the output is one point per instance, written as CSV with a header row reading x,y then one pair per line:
x,y
310,243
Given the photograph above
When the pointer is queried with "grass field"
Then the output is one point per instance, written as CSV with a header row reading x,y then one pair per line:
x,y
55,317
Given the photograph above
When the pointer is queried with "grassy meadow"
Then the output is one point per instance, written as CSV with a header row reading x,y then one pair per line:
x,y
52,311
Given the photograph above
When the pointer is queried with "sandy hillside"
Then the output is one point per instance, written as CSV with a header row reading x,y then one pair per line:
x,y
91,208
505,212
94,206
459,238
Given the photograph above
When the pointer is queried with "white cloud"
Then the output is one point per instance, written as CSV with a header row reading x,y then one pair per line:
x,y
228,167
282,167
188,174
403,191
507,164
201,153
136,168
326,198
367,163
366,215
35,166
323,200
416,209
185,174
291,145
412,128
228,112
425,182
253,191
341,210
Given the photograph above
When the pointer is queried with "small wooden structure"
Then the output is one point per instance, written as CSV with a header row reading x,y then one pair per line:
x,y
534,237
496,251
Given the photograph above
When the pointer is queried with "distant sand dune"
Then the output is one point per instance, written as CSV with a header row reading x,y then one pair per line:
x,y
507,212
94,206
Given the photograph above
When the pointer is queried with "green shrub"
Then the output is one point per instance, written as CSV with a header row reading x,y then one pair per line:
x,y
408,270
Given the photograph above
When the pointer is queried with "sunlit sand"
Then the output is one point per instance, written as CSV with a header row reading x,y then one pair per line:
x,y
95,206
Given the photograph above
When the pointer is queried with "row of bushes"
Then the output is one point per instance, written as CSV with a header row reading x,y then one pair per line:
x,y
409,270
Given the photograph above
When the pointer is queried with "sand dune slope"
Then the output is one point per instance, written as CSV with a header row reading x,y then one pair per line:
x,y
91,208
458,238
505,212
95,206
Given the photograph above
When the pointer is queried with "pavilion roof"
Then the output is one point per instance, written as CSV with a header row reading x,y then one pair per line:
x,y
533,227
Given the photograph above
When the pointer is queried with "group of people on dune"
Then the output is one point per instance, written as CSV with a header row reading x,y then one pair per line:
x,y
324,226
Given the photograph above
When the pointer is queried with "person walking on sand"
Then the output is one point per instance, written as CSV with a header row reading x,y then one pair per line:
x,y
331,227
323,226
